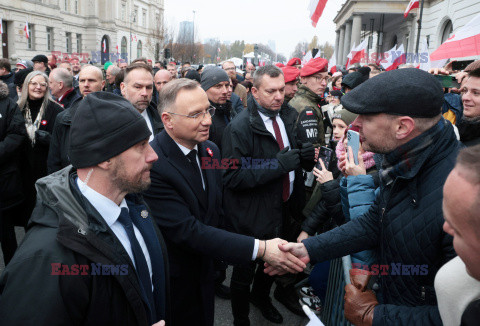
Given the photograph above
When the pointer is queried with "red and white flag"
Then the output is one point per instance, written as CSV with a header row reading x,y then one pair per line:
x,y
332,63
27,32
316,9
135,37
218,50
397,59
357,53
116,47
131,38
388,57
412,5
104,44
464,43
1,26
307,57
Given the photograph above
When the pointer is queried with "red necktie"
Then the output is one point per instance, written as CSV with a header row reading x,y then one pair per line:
x,y
286,179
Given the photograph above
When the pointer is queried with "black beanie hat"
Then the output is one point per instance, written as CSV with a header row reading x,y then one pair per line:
x,y
104,126
193,74
213,76
20,76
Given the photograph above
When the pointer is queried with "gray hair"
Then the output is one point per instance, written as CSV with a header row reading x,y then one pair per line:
x,y
270,71
115,70
169,92
22,101
62,75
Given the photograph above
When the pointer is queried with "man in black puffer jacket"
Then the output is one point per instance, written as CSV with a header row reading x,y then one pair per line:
x,y
404,225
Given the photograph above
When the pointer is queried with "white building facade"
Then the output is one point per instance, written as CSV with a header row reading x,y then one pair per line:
x,y
385,26
96,30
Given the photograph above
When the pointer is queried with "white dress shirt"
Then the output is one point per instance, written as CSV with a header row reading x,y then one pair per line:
x,y
149,124
185,151
269,125
110,213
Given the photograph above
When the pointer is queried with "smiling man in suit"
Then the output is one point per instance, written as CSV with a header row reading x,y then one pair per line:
x,y
186,201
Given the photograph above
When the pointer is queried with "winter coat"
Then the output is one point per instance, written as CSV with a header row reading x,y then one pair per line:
x,y
224,113
237,104
69,99
469,132
58,152
12,136
304,101
357,195
403,226
253,196
66,229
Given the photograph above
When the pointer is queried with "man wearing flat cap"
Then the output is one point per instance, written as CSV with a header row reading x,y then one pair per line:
x,y
40,63
399,119
92,254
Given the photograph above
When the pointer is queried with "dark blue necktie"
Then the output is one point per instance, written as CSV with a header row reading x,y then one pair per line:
x,y
192,157
140,261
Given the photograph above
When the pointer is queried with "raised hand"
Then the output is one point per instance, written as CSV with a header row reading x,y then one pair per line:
x,y
353,169
280,261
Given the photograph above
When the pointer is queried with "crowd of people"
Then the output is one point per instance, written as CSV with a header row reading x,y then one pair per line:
x,y
139,184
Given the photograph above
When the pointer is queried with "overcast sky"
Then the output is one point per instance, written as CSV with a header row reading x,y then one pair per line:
x,y
287,22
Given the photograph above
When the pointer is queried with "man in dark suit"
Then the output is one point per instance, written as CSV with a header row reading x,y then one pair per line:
x,y
137,88
186,200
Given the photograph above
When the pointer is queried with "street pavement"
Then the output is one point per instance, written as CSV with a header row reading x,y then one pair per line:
x,y
223,310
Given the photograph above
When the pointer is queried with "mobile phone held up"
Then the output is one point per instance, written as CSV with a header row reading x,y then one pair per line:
x,y
353,142
325,154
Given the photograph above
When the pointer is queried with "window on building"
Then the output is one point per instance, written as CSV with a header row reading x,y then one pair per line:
x,y
79,43
139,49
66,5
49,39
123,48
447,30
144,18
30,40
135,15
123,10
75,7
68,42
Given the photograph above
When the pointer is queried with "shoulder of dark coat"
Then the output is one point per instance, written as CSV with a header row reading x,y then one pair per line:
x,y
3,90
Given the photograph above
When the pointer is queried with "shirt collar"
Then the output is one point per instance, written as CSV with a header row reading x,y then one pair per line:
x,y
264,117
144,114
185,150
105,206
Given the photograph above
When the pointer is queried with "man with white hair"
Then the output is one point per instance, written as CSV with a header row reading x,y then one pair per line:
x,y
61,87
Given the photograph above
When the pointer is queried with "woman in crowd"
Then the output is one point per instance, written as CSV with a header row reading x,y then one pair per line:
x,y
39,111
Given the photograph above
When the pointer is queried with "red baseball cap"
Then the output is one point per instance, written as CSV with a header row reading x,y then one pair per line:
x,y
290,73
314,66
294,61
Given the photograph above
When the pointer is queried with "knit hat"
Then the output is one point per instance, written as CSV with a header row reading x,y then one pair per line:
x,y
25,64
107,64
104,126
345,115
193,74
213,76
40,58
20,76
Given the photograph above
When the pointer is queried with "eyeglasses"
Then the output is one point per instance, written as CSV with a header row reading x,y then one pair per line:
x,y
231,68
35,84
320,78
196,116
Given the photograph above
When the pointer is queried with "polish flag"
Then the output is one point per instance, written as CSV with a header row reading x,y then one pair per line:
x,y
316,9
27,32
388,56
332,63
116,47
131,38
104,44
398,59
464,43
135,37
307,57
412,5
1,26
357,53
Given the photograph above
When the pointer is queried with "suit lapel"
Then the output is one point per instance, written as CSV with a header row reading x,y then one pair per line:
x,y
180,162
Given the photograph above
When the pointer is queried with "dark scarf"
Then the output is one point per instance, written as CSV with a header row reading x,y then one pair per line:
x,y
403,158
267,112
223,110
469,129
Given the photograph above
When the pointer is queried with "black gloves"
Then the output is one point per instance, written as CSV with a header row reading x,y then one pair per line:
x,y
289,159
307,151
42,137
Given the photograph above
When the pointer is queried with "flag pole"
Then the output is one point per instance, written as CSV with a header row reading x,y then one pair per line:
x,y
419,27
